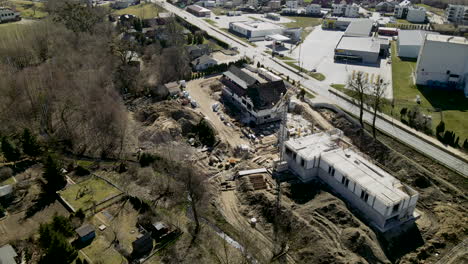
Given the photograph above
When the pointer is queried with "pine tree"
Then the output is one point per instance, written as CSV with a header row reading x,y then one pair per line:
x,y
30,145
53,175
9,150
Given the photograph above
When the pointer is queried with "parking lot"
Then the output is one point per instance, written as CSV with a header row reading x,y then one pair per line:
x,y
317,53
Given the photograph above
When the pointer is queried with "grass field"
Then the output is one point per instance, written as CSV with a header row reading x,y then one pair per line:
x,y
29,9
316,75
452,104
306,23
434,10
88,192
99,251
143,11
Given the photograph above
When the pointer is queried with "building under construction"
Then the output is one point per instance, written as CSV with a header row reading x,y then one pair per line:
x,y
380,197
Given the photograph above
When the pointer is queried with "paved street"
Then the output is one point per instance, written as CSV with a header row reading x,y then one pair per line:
x,y
322,89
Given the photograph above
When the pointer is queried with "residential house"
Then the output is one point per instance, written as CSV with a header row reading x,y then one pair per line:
x,y
457,14
314,10
8,255
196,51
142,245
258,99
386,6
345,10
204,62
85,233
416,14
7,14
159,229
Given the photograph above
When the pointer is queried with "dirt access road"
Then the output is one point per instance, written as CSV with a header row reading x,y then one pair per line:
x,y
231,212
200,91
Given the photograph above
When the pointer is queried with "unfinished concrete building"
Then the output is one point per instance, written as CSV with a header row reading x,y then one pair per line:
x,y
382,199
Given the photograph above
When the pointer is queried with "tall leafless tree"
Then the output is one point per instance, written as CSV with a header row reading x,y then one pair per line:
x,y
377,100
359,86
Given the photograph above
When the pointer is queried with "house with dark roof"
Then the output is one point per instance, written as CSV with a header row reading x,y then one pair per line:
x,y
259,100
196,51
142,245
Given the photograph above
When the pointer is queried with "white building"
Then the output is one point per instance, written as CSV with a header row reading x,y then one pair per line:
x,y
274,5
410,41
198,11
416,14
204,62
292,4
255,29
7,14
258,99
313,9
237,2
381,198
401,10
457,14
360,28
358,49
345,10
443,61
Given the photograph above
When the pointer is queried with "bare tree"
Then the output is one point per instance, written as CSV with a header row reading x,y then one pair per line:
x,y
360,87
377,100
192,182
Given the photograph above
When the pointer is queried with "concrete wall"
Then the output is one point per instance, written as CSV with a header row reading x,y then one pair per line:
x,y
437,58
408,51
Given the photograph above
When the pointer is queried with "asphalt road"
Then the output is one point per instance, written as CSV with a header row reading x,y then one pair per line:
x,y
322,89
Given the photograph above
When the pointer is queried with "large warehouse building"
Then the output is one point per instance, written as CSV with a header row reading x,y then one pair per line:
x,y
381,198
410,41
256,29
357,49
443,62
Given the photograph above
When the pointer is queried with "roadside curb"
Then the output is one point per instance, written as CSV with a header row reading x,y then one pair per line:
x,y
386,119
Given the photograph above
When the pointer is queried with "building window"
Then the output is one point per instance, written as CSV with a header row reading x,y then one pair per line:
x,y
244,102
345,181
302,162
395,208
288,151
333,172
364,196
448,72
329,169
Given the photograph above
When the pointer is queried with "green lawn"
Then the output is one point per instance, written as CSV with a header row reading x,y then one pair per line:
x,y
453,105
8,181
143,11
211,22
100,251
316,75
28,9
434,10
93,190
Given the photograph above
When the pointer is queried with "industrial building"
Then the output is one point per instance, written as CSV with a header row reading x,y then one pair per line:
x,y
198,11
387,31
340,23
457,14
345,10
259,99
410,41
273,16
443,62
255,29
358,50
361,28
383,200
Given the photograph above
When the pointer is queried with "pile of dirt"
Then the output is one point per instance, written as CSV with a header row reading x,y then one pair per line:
x,y
165,122
321,230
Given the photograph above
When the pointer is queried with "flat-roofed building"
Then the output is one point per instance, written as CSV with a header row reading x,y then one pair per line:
x,y
410,41
358,49
361,28
381,198
198,11
443,62
255,29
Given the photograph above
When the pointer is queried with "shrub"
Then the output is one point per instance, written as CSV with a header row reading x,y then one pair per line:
x,y
10,151
5,173
403,112
146,159
440,127
81,171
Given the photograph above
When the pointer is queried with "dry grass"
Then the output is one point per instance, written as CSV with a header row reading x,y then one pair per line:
x,y
143,11
88,192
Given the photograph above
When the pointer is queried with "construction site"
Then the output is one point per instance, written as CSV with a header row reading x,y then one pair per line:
x,y
263,208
